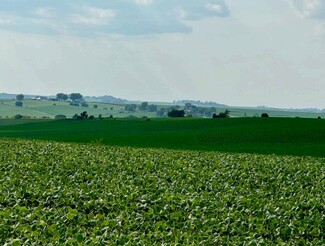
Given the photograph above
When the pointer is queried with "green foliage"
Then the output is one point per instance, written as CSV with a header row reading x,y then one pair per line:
x,y
75,96
161,112
60,117
130,107
20,97
152,108
175,113
84,104
143,106
18,116
69,194
62,96
19,104
74,104
222,115
248,135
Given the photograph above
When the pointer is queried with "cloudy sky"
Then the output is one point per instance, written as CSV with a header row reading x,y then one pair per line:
x,y
254,52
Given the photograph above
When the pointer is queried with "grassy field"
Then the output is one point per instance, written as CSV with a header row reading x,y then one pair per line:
x,y
287,136
50,109
72,194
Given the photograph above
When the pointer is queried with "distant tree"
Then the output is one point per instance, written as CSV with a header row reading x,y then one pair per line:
x,y
62,96
152,108
221,115
18,116
188,106
76,117
176,113
75,96
130,107
143,106
84,104
95,106
319,117
60,117
100,116
74,104
91,117
20,97
161,112
84,115
264,115
19,104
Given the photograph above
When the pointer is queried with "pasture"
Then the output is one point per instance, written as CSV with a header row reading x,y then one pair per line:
x,y
74,194
284,136
41,109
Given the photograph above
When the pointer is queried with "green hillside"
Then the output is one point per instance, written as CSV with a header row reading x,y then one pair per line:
x,y
252,135
49,109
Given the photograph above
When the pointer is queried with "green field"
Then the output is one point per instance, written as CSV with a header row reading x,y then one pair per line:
x,y
285,136
73,194
39,109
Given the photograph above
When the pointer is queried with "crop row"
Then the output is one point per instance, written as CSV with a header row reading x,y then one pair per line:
x,y
97,195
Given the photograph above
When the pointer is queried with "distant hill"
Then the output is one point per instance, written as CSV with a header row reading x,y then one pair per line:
x,y
6,96
105,99
200,103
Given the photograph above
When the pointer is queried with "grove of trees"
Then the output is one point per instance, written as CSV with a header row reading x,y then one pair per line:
x,y
222,115
76,96
130,107
20,97
176,113
62,96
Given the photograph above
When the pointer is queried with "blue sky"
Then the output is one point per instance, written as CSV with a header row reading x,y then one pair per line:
x,y
256,52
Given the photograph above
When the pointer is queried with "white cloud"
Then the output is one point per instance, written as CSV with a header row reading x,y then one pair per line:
x,y
143,2
4,21
126,17
45,12
309,8
93,16
214,7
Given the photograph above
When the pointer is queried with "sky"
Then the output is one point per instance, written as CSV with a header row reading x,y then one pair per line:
x,y
242,53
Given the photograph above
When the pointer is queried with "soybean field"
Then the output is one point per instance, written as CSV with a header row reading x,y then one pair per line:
x,y
74,194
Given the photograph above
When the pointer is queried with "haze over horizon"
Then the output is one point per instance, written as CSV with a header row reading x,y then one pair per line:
x,y
261,52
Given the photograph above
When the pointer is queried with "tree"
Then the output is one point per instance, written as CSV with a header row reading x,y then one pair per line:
x,y
84,115
221,115
130,107
75,96
95,106
74,104
188,106
176,113
161,112
18,116
264,115
62,96
19,104
20,97
152,108
60,117
143,106
76,117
